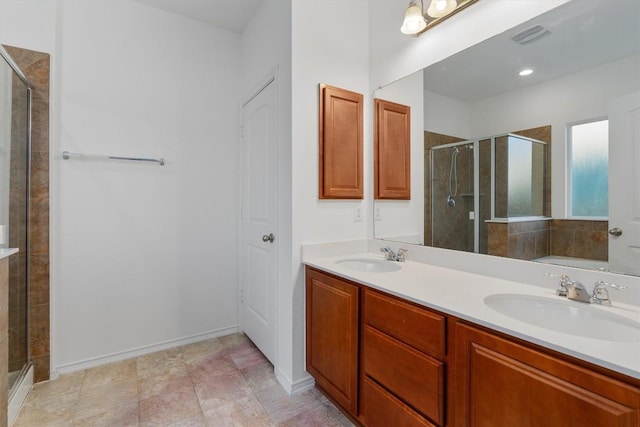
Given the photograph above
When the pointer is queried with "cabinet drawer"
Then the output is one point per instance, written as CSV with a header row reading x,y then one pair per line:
x,y
382,409
415,378
406,322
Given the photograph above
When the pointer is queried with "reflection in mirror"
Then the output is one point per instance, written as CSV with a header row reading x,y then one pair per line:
x,y
479,128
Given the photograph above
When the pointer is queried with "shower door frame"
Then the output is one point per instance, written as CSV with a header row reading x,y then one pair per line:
x,y
13,389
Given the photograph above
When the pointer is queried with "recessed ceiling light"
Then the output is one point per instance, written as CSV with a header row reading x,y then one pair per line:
x,y
526,72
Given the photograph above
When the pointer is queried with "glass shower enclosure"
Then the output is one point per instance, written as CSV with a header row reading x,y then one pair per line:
x,y
472,182
15,149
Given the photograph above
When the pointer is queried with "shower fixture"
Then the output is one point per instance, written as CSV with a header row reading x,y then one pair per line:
x,y
453,178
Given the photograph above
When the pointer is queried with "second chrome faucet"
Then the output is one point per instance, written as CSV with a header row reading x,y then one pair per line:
x,y
576,291
391,255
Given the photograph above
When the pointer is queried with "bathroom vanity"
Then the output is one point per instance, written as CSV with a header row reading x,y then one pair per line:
x,y
420,345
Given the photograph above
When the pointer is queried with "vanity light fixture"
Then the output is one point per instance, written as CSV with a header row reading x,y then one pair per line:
x,y
525,72
414,21
417,20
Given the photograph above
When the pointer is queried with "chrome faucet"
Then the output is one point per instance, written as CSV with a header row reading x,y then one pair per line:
x,y
562,285
391,255
601,293
576,291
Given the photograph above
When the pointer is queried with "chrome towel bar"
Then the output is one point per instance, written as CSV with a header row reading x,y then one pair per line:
x,y
67,155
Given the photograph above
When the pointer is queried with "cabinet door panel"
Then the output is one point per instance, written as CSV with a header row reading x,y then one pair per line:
x,y
504,383
413,377
332,336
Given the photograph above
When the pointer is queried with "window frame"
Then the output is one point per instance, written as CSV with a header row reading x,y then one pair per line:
x,y
569,169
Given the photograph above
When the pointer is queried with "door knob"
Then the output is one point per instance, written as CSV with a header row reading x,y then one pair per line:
x,y
268,238
616,231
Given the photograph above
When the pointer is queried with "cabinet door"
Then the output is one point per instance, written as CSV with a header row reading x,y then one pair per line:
x,y
332,337
502,383
392,151
340,140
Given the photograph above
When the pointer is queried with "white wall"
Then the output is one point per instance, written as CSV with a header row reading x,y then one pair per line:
x,y
141,255
403,220
447,116
329,45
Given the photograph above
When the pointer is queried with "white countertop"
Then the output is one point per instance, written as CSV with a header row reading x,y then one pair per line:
x,y
5,252
462,294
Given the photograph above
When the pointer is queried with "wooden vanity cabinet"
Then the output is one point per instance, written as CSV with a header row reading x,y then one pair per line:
x,y
332,327
502,382
386,362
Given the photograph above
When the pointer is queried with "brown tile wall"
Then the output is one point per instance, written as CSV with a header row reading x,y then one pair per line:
x,y
431,139
520,240
580,239
36,67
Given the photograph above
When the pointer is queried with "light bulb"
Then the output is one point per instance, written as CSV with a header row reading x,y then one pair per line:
x,y
440,8
413,20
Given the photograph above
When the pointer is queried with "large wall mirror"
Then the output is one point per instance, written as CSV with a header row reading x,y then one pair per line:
x,y
527,145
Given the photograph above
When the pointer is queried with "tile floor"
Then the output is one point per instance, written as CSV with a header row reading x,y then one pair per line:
x,y
219,382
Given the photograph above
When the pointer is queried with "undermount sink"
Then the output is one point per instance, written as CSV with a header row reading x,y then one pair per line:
x,y
369,265
566,316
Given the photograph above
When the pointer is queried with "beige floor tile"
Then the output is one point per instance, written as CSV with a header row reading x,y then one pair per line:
x,y
318,416
97,399
243,412
52,411
157,386
160,363
246,355
170,407
125,415
221,390
260,376
205,349
117,372
205,369
230,341
65,384
281,407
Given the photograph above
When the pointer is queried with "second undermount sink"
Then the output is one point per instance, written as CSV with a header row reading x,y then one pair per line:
x,y
369,265
566,316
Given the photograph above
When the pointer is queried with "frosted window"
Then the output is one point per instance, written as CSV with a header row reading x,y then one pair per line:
x,y
589,166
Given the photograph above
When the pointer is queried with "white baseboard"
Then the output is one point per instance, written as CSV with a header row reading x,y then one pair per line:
x,y
295,387
140,351
18,398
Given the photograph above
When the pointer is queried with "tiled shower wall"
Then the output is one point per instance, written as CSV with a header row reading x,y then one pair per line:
x,y
36,67
580,239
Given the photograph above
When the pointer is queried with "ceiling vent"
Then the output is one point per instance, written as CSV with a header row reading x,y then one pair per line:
x,y
531,34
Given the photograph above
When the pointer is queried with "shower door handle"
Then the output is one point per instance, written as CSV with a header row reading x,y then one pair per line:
x,y
616,231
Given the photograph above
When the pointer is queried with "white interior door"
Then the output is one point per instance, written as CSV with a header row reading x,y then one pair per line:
x,y
624,184
258,262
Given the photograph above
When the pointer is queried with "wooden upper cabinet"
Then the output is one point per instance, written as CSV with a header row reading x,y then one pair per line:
x,y
392,148
341,175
